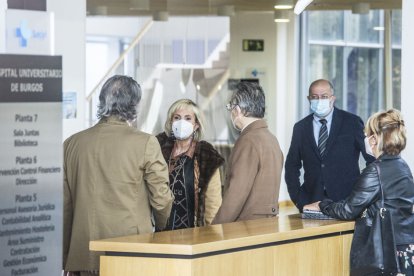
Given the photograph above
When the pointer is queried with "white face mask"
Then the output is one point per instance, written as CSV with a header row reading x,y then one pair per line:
x,y
321,107
182,129
368,148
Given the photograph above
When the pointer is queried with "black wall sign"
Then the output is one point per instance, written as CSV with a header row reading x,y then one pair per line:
x,y
253,45
27,78
232,83
34,5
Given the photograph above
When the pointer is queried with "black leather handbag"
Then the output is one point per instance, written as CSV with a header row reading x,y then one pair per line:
x,y
373,250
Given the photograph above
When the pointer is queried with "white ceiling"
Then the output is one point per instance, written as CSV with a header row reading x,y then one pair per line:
x,y
210,7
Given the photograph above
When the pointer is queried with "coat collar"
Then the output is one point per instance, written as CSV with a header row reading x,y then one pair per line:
x,y
309,133
388,157
112,120
337,119
253,126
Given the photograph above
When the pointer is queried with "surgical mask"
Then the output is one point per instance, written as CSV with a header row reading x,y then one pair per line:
x,y
182,129
368,148
321,107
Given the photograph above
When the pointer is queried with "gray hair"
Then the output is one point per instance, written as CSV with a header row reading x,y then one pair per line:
x,y
250,98
119,97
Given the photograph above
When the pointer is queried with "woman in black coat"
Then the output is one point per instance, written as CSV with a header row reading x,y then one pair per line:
x,y
385,139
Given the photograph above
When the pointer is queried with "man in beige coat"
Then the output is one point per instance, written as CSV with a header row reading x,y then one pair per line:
x,y
115,179
255,163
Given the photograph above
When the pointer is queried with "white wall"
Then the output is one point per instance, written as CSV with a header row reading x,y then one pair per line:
x,y
114,26
69,41
255,26
69,27
407,76
276,66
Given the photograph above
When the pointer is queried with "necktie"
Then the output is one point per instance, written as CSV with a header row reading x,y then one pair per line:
x,y
323,137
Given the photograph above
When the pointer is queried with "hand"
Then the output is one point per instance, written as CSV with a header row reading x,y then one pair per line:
x,y
313,206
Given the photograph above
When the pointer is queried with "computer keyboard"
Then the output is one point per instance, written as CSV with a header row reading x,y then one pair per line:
x,y
310,214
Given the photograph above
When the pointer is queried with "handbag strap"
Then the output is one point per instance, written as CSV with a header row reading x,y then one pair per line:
x,y
380,184
389,217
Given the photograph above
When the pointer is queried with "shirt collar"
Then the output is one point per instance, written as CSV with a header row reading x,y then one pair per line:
x,y
328,117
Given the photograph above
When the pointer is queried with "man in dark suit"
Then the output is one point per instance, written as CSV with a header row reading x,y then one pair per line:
x,y
327,144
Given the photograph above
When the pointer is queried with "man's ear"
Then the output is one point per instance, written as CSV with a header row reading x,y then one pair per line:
x,y
238,110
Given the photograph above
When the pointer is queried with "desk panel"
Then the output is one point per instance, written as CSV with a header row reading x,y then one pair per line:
x,y
274,246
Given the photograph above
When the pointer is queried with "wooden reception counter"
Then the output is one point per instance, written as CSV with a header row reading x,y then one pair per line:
x,y
285,245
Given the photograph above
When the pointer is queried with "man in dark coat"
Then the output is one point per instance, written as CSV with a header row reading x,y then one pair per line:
x,y
327,144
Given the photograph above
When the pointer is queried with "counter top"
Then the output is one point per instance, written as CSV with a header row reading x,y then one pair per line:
x,y
222,237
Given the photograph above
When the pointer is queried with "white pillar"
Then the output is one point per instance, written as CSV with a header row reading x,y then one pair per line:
x,y
3,8
70,26
407,76
286,98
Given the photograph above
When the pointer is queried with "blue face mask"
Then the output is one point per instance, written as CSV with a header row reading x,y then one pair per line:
x,y
321,107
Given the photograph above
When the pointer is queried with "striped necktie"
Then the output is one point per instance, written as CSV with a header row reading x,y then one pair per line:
x,y
323,137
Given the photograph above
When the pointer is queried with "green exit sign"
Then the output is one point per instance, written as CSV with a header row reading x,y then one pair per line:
x,y
253,45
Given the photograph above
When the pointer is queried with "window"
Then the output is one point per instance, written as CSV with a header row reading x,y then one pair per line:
x,y
396,57
348,49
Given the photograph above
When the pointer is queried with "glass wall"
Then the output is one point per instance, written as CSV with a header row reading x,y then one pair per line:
x,y
348,49
396,58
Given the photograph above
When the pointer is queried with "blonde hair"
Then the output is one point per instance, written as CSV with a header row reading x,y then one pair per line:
x,y
389,128
188,105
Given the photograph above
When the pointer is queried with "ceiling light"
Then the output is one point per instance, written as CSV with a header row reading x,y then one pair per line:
x,y
281,16
379,28
360,8
301,6
283,4
139,5
225,10
160,16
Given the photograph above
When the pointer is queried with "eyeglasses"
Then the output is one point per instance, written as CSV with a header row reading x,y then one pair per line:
x,y
322,97
230,106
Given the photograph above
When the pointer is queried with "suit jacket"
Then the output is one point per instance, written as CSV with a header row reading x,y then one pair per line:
x,y
337,171
114,177
255,167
